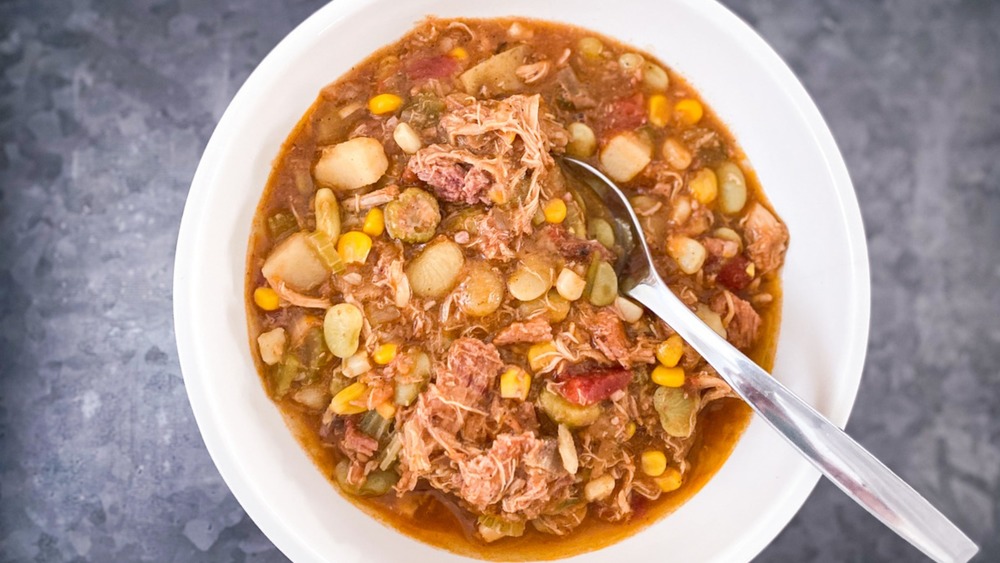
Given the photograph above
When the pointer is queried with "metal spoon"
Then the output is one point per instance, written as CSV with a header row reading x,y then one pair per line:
x,y
857,472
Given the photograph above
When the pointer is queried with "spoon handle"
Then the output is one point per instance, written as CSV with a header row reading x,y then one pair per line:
x,y
845,462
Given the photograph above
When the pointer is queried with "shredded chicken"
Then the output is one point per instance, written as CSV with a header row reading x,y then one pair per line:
x,y
767,238
482,162
534,72
535,330
297,299
739,317
376,198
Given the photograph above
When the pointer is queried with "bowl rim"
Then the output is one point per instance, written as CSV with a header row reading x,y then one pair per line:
x,y
282,535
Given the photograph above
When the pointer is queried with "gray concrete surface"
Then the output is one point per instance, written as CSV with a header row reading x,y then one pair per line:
x,y
106,106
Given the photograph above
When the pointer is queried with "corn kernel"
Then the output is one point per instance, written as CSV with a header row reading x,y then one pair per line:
x,y
653,462
541,355
266,298
704,186
688,111
385,354
458,53
497,195
348,399
384,103
555,211
630,429
659,110
386,410
374,224
668,377
591,47
669,481
669,352
354,247
515,384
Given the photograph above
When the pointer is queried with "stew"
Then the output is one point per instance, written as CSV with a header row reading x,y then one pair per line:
x,y
433,303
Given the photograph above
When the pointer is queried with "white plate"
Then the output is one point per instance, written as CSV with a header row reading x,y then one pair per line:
x,y
826,304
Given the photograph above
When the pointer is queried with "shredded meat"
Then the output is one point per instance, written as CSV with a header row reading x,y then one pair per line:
x,y
430,431
518,471
721,248
535,330
743,322
572,247
443,438
767,238
711,386
534,72
608,334
472,368
456,176
356,444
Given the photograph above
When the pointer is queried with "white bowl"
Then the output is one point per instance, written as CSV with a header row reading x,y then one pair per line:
x,y
826,289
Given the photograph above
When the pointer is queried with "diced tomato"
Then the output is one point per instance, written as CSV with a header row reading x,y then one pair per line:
x,y
423,68
733,275
640,505
622,114
589,387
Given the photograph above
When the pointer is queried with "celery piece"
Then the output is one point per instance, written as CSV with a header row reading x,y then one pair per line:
x,y
326,250
374,425
313,352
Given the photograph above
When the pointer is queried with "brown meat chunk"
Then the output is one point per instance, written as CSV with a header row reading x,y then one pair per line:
x,y
743,323
450,180
608,334
520,472
533,331
572,247
472,369
357,445
767,238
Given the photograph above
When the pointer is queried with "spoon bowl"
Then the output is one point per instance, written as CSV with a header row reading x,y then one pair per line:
x,y
842,460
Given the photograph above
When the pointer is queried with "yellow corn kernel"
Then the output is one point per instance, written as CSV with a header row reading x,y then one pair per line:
x,y
704,186
669,351
386,410
541,355
659,110
668,377
384,103
497,195
591,47
630,429
458,53
385,354
266,298
670,480
555,211
515,384
348,399
374,224
354,247
653,462
689,111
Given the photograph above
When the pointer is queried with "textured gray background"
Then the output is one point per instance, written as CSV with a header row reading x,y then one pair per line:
x,y
105,108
